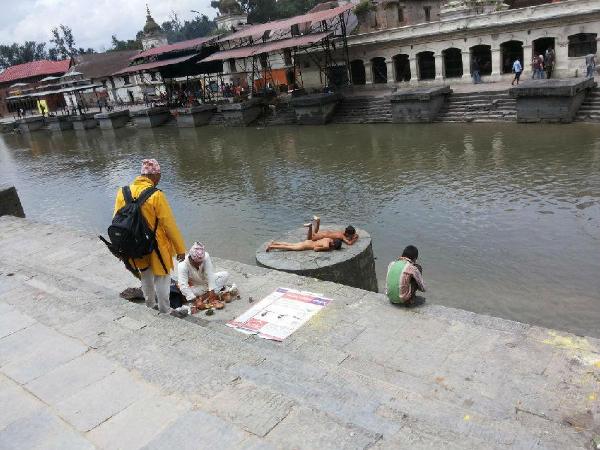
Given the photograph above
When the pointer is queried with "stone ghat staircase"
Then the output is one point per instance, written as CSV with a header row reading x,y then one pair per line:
x,y
590,109
479,107
280,113
363,110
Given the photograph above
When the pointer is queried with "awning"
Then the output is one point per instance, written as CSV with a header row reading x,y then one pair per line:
x,y
154,65
14,97
176,47
259,30
251,50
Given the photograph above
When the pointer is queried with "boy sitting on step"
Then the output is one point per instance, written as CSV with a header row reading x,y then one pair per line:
x,y
404,277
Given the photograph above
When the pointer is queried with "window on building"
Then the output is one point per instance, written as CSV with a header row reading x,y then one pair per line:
x,y
582,44
232,68
287,57
295,30
153,76
104,84
427,10
264,61
126,79
400,14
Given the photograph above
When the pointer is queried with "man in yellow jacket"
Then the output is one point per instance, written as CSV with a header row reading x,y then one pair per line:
x,y
155,268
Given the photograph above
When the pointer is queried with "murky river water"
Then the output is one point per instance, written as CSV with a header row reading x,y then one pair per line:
x,y
506,217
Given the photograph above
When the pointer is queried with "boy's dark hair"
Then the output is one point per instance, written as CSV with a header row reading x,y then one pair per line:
x,y
411,252
349,231
337,244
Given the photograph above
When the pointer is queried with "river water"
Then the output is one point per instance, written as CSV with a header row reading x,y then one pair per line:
x,y
506,216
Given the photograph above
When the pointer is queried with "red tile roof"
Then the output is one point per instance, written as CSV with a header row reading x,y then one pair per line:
x,y
34,69
178,46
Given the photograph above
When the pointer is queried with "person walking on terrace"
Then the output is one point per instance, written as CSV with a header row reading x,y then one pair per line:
x,y
549,58
476,70
404,277
155,210
518,70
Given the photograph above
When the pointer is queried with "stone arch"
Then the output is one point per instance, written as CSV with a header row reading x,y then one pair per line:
x,y
509,52
402,67
379,68
582,44
540,45
426,64
483,54
453,66
357,71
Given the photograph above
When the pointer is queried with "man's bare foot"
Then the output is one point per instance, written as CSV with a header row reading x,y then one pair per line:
x,y
269,246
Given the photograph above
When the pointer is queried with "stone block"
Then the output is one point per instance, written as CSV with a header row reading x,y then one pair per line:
x,y
10,204
195,116
552,101
36,350
151,117
138,424
198,429
33,123
16,402
309,429
315,109
241,114
59,123
352,265
42,430
420,105
70,378
99,401
112,120
253,408
85,121
12,321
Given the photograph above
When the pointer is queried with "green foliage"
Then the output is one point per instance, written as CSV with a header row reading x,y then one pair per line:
x,y
16,53
64,42
363,8
260,11
177,31
129,44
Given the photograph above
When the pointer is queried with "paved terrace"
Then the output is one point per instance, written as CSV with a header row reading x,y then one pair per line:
x,y
80,367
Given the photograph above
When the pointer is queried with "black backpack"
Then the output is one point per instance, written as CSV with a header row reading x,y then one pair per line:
x,y
129,233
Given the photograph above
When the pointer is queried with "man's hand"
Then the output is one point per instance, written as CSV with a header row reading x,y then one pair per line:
x,y
181,257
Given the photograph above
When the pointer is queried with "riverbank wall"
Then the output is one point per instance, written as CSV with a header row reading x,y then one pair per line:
x,y
81,367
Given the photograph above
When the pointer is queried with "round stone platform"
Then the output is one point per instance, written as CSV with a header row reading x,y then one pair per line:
x,y
352,265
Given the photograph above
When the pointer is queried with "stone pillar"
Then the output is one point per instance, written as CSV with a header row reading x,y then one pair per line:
x,y
496,63
527,57
368,72
391,73
414,69
466,62
439,67
561,64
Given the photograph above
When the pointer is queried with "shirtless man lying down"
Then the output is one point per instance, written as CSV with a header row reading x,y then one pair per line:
x,y
321,245
348,236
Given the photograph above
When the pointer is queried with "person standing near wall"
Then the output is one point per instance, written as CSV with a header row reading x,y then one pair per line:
x,y
549,58
590,64
476,71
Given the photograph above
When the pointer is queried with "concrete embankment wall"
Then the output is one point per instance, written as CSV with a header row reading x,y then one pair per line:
x,y
95,369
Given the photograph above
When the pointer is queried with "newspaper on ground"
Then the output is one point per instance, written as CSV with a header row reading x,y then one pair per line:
x,y
280,313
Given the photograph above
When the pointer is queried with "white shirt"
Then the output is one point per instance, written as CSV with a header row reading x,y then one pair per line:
x,y
517,66
186,274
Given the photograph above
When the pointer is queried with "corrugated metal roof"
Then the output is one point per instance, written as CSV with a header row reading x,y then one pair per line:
x,y
153,65
244,52
177,46
258,30
34,69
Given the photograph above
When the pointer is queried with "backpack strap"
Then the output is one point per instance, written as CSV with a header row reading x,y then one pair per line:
x,y
146,194
127,194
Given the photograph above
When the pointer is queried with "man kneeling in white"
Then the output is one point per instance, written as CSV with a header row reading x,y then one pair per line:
x,y
196,277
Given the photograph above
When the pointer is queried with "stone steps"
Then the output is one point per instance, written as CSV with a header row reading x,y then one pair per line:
x,y
479,107
590,109
363,110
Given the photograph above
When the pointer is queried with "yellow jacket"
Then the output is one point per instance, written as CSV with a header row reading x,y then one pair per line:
x,y
169,239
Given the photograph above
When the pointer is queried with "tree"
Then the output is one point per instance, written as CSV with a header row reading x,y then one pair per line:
x,y
177,31
16,53
64,42
130,44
